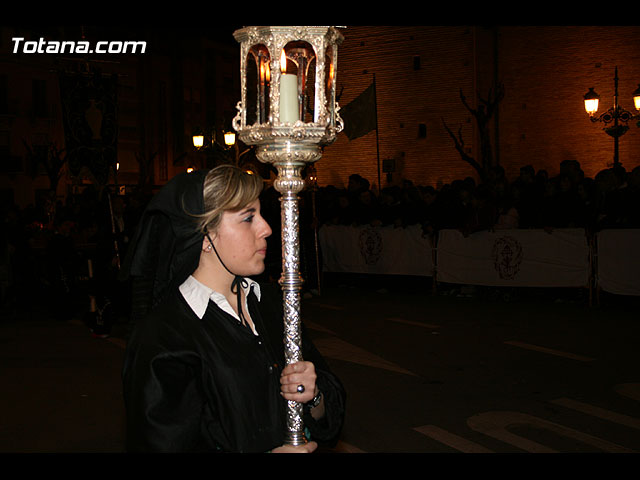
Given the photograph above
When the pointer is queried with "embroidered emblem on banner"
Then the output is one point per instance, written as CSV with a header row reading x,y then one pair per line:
x,y
507,257
370,243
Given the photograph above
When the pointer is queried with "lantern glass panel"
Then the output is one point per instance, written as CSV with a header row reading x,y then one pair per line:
x,y
309,98
258,85
297,77
329,80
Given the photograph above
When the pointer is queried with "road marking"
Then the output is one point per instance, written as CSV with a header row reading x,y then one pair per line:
x,y
550,351
496,424
411,322
454,441
598,412
341,350
631,390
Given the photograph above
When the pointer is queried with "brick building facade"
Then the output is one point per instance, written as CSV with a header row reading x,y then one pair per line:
x,y
545,71
419,73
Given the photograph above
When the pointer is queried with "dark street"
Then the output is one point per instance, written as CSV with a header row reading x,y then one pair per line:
x,y
458,206
424,373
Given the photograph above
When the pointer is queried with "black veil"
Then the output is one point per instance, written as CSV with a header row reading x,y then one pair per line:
x,y
166,245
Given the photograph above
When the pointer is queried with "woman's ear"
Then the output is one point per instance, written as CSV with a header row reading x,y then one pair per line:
x,y
206,244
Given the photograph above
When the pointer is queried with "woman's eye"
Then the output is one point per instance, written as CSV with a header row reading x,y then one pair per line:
x,y
248,219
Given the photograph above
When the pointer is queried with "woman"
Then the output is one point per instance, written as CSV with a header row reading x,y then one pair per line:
x,y
204,371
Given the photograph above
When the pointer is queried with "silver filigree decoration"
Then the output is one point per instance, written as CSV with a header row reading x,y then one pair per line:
x,y
290,147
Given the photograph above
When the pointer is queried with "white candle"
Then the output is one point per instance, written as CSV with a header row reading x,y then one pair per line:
x,y
288,94
288,98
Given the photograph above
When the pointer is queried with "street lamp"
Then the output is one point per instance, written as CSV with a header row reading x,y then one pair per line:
x,y
615,119
229,139
288,110
206,141
636,97
198,138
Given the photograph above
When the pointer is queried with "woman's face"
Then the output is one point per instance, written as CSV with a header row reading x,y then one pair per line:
x,y
241,240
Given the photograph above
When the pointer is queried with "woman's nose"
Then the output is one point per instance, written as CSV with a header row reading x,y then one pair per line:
x,y
265,230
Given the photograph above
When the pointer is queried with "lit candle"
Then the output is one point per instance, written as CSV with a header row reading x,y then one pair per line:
x,y
288,93
332,93
264,74
330,75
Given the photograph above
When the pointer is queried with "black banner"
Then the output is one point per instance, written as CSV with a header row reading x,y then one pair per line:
x,y
360,116
89,104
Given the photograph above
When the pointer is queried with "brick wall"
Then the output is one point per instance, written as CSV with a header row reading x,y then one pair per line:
x,y
545,71
406,98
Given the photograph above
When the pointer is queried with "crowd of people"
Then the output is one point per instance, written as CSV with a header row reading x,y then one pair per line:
x,y
57,252
66,252
532,200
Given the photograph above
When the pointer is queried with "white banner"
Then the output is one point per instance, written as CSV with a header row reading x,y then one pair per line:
x,y
529,258
376,250
618,267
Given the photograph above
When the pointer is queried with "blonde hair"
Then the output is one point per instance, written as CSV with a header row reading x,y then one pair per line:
x,y
226,188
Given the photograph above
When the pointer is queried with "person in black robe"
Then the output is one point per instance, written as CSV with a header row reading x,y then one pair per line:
x,y
205,370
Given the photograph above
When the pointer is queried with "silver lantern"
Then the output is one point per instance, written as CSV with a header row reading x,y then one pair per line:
x,y
288,110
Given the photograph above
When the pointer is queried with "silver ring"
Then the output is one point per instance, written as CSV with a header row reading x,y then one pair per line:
x,y
300,388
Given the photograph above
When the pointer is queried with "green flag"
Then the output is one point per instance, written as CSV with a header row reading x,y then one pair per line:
x,y
360,116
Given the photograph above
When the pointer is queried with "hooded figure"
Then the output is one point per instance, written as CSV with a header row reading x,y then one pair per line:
x,y
205,368
165,248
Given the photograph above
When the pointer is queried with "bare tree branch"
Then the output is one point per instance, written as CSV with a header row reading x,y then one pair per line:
x,y
482,116
458,142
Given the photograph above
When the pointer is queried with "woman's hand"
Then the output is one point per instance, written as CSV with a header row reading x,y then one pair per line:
x,y
308,447
294,375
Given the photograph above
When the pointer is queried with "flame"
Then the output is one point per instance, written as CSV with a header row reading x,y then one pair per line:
x,y
283,62
330,75
265,71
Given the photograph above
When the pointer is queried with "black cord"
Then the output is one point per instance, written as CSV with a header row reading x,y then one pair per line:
x,y
236,284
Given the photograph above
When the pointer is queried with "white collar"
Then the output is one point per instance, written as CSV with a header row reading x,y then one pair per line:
x,y
197,295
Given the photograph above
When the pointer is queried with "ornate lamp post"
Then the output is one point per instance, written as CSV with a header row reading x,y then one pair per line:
x,y
616,118
206,141
288,110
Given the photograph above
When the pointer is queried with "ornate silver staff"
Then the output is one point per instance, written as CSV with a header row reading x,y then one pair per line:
x,y
288,110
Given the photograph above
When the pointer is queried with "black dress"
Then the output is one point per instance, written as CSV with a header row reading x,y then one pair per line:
x,y
211,384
